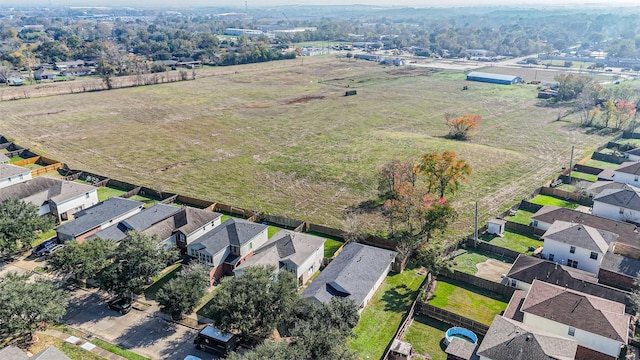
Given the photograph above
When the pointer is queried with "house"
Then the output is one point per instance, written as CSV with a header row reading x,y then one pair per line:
x,y
228,245
12,352
11,174
4,159
494,78
511,340
60,198
601,185
599,326
576,245
368,57
298,253
528,268
543,218
184,227
633,154
63,65
43,74
98,217
356,273
618,204
620,267
76,71
140,222
627,173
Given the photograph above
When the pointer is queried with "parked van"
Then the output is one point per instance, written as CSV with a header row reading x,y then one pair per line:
x,y
214,340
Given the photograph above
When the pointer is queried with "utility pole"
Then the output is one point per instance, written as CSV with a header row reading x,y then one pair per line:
x,y
475,229
571,164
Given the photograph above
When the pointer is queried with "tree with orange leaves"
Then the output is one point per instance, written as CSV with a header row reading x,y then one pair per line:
x,y
444,172
625,110
460,127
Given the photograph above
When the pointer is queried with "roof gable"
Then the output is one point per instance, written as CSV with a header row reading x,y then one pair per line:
x,y
578,235
233,232
626,198
41,189
8,170
629,167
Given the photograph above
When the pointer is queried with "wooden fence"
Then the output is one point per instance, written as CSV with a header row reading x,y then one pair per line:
x,y
580,199
529,206
46,169
479,282
608,158
492,249
451,318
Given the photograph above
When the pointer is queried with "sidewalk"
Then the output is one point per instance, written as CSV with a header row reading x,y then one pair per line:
x,y
84,344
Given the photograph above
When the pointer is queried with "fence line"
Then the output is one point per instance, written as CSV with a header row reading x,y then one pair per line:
x,y
46,169
452,318
479,282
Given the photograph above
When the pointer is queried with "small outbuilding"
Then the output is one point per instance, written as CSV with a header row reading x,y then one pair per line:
x,y
400,350
496,227
494,78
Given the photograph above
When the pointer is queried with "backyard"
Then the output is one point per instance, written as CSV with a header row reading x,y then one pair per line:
x,y
513,240
601,164
382,316
521,217
468,301
553,201
425,335
584,176
466,260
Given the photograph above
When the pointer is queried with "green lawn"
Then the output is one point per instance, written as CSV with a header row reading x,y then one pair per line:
x,y
382,316
466,262
114,349
43,236
331,246
512,240
160,280
468,301
601,164
521,217
148,201
584,176
632,142
106,192
425,335
272,230
552,200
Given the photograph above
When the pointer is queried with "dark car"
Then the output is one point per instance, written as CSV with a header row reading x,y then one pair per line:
x,y
42,248
121,305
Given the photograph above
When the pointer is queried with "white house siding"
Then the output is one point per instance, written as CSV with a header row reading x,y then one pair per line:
x,y
81,202
254,244
314,261
632,157
520,285
15,179
561,255
625,178
196,234
375,287
541,225
583,338
614,212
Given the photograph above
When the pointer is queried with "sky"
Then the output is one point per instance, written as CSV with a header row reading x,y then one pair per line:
x,y
262,3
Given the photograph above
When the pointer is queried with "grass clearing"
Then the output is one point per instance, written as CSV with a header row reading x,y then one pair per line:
x,y
107,192
468,301
114,349
521,217
513,240
554,201
147,200
467,260
335,143
331,246
43,236
584,176
601,164
425,335
151,291
382,316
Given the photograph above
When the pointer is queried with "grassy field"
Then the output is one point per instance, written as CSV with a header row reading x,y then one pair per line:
x,y
521,217
584,176
382,316
106,192
601,164
465,300
425,335
512,240
554,201
283,139
467,261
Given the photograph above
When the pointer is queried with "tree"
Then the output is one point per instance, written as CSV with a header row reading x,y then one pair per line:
x,y
136,261
444,172
437,218
634,296
182,294
570,86
460,127
255,302
272,350
625,111
83,260
20,224
431,258
28,305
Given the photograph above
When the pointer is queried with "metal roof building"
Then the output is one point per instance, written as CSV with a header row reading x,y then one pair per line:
x,y
493,78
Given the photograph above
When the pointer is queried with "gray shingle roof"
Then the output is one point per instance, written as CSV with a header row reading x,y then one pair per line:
x,y
635,151
50,353
98,214
528,268
7,170
620,264
140,221
492,76
186,220
627,233
12,352
629,167
462,349
4,158
41,189
234,232
585,312
511,340
285,246
625,198
602,185
352,274
580,235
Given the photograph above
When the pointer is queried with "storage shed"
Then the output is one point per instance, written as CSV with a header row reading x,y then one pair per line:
x,y
493,78
496,227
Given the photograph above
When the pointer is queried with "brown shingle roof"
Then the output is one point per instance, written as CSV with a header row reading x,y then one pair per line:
x,y
629,167
589,313
580,235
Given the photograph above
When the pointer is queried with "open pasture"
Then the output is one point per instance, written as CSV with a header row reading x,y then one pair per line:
x,y
286,141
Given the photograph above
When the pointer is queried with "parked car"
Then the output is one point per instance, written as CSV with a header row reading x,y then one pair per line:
x,y
608,70
40,249
50,251
121,305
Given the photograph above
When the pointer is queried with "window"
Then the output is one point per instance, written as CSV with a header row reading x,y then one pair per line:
x,y
572,263
86,195
572,331
572,249
250,245
621,211
535,223
635,178
551,257
514,282
594,255
181,238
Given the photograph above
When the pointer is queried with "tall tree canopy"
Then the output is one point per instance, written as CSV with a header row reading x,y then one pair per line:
x,y
444,172
180,295
20,224
83,260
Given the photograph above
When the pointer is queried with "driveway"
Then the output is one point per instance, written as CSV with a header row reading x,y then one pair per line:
x,y
138,331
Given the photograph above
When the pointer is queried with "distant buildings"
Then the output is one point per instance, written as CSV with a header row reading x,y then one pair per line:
x,y
494,78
